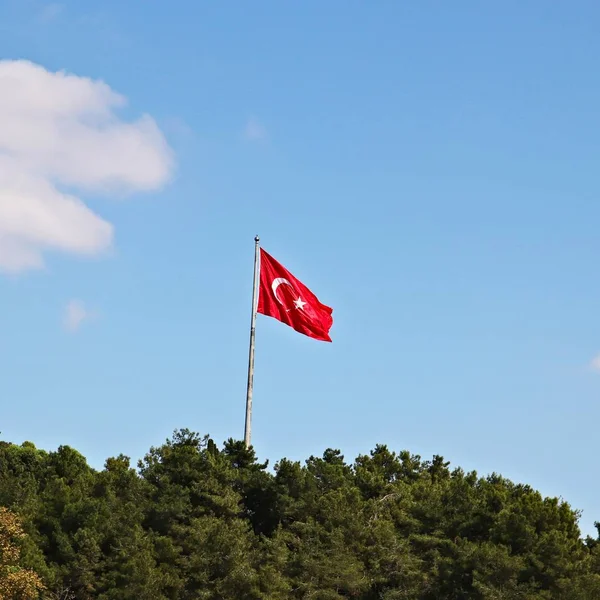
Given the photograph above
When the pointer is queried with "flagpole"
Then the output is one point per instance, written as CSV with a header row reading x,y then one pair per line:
x,y
248,424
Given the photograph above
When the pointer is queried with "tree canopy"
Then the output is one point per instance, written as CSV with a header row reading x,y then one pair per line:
x,y
197,521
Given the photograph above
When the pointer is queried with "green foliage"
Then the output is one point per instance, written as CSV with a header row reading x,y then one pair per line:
x,y
195,521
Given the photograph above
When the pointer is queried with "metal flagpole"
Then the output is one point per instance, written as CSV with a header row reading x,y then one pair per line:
x,y
248,425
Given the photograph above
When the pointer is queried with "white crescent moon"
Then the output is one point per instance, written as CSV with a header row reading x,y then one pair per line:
x,y
276,283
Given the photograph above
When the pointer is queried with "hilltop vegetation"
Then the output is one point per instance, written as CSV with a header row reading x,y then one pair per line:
x,y
195,521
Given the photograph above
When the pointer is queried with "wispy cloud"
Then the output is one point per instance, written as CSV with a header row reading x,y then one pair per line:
x,y
176,127
254,130
60,131
75,314
50,12
595,363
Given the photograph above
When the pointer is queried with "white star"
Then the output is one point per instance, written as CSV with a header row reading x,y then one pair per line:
x,y
299,304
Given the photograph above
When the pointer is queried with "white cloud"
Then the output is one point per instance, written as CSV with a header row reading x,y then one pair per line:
x,y
60,135
595,364
254,130
75,314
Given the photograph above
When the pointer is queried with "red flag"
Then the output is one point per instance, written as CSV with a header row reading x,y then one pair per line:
x,y
288,300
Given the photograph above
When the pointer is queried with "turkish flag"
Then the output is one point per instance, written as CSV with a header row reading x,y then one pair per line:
x,y
285,298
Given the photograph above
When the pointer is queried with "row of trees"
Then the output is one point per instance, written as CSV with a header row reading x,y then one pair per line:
x,y
195,521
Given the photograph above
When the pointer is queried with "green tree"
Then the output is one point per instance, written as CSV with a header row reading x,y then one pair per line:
x,y
196,521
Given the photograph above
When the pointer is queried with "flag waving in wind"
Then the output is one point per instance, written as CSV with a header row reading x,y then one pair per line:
x,y
288,300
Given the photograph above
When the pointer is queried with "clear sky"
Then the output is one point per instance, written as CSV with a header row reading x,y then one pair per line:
x,y
428,169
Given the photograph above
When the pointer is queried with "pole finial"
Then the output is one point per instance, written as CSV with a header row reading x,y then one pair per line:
x,y
256,239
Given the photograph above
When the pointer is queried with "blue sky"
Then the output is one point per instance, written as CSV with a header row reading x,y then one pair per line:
x,y
430,171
